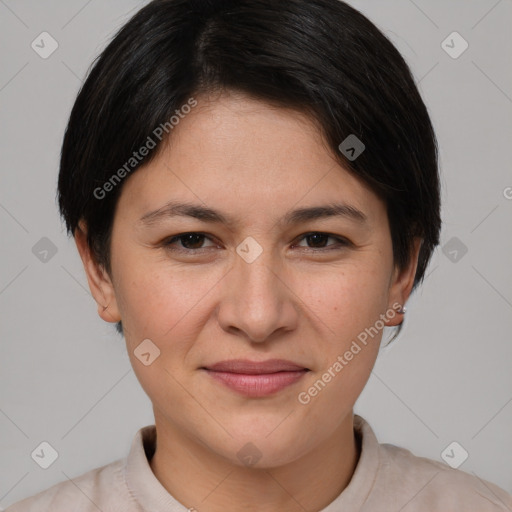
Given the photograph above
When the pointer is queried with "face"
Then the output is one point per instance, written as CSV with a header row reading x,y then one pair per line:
x,y
247,279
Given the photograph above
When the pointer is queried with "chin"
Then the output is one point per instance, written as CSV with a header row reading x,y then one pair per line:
x,y
268,444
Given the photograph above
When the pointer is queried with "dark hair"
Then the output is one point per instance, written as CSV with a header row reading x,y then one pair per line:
x,y
320,57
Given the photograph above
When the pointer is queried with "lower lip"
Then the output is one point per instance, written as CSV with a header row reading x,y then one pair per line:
x,y
257,385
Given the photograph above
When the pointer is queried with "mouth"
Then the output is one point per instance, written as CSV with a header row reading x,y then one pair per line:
x,y
256,379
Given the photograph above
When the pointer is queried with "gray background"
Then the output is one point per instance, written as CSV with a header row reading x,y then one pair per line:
x,y
65,376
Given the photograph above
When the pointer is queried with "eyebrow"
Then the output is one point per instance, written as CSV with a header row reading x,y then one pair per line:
x,y
205,214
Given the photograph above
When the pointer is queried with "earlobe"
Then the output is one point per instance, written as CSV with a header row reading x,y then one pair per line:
x,y
105,313
99,281
401,286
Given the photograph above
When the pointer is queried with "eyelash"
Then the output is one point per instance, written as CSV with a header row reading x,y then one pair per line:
x,y
169,242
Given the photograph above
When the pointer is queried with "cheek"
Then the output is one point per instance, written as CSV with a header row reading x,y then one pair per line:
x,y
166,305
346,300
344,305
162,302
166,302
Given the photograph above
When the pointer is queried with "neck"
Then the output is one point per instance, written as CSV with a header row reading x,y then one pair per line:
x,y
203,480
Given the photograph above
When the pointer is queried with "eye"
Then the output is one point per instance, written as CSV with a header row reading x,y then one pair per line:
x,y
190,242
194,242
319,241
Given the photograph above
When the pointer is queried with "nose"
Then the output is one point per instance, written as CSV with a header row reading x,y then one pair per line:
x,y
257,301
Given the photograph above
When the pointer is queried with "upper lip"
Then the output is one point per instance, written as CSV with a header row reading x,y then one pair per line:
x,y
248,367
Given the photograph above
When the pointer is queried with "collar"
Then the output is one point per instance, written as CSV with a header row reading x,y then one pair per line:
x,y
152,496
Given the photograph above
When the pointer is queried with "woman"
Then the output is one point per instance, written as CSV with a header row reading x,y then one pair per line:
x,y
253,189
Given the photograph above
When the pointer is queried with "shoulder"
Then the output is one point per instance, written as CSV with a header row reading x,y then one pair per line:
x,y
102,488
426,484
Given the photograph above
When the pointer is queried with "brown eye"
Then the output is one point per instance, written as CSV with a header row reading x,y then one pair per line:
x,y
318,240
187,242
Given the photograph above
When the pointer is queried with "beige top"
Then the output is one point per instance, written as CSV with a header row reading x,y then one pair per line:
x,y
387,479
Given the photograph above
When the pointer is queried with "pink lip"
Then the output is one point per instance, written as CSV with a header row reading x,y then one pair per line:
x,y
256,379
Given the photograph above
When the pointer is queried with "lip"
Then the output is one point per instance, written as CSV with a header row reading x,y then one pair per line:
x,y
256,378
255,367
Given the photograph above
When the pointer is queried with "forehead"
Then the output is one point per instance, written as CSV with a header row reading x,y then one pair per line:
x,y
245,156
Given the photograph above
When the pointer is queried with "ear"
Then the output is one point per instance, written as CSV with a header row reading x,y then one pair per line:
x,y
401,284
100,282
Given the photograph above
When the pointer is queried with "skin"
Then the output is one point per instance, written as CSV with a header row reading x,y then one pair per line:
x,y
300,300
